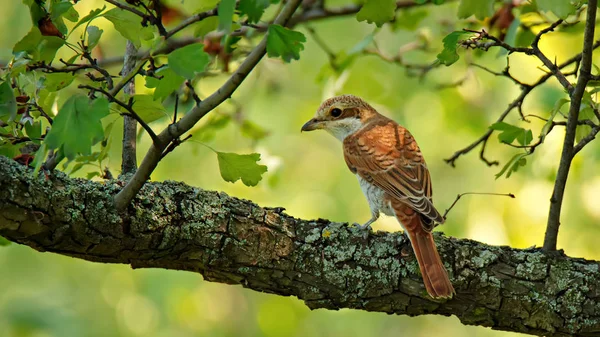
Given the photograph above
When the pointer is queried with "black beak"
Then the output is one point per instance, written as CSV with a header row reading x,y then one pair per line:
x,y
312,124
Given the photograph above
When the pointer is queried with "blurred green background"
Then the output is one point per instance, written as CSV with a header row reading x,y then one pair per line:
x,y
51,295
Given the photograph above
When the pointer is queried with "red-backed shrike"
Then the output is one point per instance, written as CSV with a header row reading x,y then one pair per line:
x,y
392,174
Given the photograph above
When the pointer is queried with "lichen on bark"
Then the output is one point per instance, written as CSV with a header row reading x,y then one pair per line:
x,y
326,264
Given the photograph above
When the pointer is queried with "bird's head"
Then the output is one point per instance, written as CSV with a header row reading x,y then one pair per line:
x,y
341,116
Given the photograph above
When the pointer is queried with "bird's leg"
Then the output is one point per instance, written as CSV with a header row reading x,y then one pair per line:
x,y
366,227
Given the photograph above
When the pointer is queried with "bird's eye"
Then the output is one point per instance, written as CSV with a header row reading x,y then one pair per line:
x,y
335,112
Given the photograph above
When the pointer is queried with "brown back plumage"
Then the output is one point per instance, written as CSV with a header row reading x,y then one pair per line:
x,y
387,155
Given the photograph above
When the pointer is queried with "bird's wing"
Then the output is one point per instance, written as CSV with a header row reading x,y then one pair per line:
x,y
386,154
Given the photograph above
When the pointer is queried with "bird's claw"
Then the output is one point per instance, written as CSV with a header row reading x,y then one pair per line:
x,y
366,229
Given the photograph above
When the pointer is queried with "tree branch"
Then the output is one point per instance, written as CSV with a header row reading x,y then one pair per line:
x,y
525,89
568,152
173,131
129,148
325,264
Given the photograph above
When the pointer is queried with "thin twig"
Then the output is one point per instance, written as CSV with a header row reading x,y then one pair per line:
x,y
474,193
127,106
568,151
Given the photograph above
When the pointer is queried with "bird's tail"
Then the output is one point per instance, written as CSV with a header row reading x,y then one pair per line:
x,y
434,274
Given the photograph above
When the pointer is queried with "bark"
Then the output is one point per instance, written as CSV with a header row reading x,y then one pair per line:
x,y
326,264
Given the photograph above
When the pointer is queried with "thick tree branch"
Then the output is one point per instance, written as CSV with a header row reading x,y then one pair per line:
x,y
175,130
325,264
568,151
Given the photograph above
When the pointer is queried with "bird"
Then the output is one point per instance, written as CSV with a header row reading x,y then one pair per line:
x,y
393,176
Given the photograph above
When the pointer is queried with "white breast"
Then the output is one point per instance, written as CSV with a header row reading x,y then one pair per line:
x,y
375,196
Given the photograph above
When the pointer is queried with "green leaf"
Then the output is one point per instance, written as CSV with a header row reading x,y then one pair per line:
x,y
129,26
235,166
34,131
77,126
584,130
253,9
91,16
546,128
480,8
189,60
58,81
225,12
41,48
8,102
449,55
510,133
4,242
206,26
284,43
39,158
410,19
65,10
562,8
93,36
513,165
377,11
147,108
164,86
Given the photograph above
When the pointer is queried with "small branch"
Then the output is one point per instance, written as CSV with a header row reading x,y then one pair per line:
x,y
154,154
129,149
510,195
576,59
568,152
191,20
585,140
127,106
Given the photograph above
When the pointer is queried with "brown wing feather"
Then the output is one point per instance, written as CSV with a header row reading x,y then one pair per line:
x,y
387,155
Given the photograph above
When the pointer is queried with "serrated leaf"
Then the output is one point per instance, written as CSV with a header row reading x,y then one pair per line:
x,y
189,60
129,26
77,126
235,166
93,36
510,133
8,102
4,242
91,16
377,11
253,9
513,165
225,12
148,109
206,26
480,8
561,8
284,43
449,55
164,86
